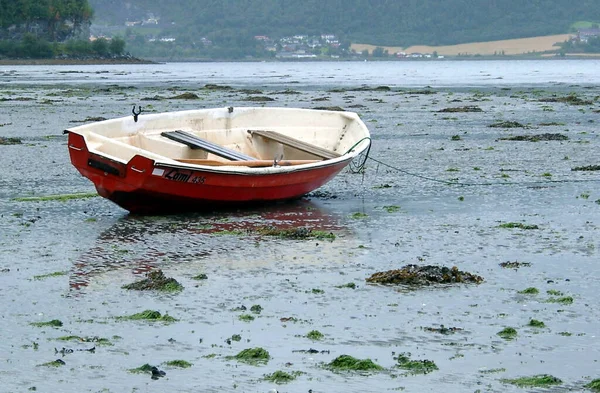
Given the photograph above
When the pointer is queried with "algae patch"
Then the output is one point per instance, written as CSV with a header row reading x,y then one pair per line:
x,y
54,363
594,385
350,363
315,335
149,315
415,366
517,225
530,291
253,356
44,276
537,324
52,323
179,363
541,380
61,198
280,377
295,233
507,333
156,280
418,276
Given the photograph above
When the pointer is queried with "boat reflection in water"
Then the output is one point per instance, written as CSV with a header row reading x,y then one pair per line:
x,y
140,244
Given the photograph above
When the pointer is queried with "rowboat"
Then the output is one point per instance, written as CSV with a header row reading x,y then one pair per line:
x,y
201,159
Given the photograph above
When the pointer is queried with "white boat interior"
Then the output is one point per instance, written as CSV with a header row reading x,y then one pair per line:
x,y
292,134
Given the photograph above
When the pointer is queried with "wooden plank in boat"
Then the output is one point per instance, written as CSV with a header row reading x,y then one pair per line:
x,y
296,144
195,142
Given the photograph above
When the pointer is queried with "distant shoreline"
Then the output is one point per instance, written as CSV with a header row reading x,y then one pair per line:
x,y
130,60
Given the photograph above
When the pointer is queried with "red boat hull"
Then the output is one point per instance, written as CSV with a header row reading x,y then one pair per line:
x,y
143,186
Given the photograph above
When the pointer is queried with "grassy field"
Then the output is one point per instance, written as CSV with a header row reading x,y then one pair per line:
x,y
508,47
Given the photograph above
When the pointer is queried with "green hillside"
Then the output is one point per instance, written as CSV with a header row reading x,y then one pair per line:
x,y
378,22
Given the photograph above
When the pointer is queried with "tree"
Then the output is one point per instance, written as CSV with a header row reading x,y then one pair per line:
x,y
117,45
380,52
100,46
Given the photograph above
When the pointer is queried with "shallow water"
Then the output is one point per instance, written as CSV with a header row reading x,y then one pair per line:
x,y
100,248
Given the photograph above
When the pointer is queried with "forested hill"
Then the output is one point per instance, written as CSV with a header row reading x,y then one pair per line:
x,y
55,20
379,22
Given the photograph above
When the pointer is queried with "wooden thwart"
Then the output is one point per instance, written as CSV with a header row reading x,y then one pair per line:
x,y
195,142
296,144
252,164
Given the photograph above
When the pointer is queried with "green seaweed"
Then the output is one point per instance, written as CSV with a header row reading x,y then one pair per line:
x,y
566,300
96,340
246,318
52,323
54,363
295,233
530,291
350,285
594,385
416,366
155,280
536,323
256,309
518,225
508,333
61,198
554,292
201,276
493,370
179,363
541,380
349,363
44,276
358,215
391,208
280,377
149,315
315,335
10,141
143,369
253,356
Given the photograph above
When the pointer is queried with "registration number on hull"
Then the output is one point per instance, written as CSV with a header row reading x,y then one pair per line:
x,y
180,175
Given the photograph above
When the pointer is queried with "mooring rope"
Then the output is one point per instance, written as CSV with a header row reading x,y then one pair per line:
x,y
456,183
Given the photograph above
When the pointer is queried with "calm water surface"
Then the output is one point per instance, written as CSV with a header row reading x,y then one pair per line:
x,y
441,73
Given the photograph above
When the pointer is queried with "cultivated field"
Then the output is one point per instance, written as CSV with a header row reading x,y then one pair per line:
x,y
508,47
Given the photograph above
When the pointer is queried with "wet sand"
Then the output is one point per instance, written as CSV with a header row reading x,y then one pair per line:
x,y
68,260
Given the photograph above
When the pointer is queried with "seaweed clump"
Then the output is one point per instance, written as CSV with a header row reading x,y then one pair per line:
x,y
295,233
10,141
185,96
52,323
418,276
594,385
416,366
587,168
156,280
514,264
570,99
253,356
541,380
536,138
468,108
507,124
280,377
350,363
149,315
508,333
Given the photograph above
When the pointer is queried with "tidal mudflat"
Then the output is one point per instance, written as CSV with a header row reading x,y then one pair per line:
x,y
498,181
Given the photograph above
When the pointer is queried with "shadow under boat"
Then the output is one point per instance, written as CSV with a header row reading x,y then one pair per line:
x,y
145,243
